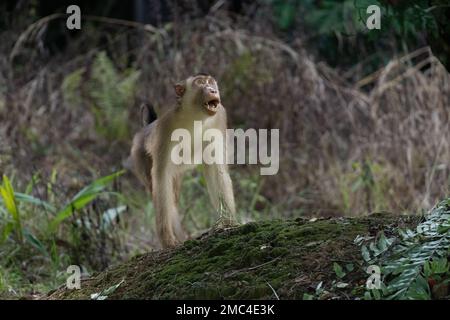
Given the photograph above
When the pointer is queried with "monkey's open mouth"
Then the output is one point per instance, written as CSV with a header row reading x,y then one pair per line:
x,y
211,105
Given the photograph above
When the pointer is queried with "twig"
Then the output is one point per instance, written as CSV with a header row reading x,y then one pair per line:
x,y
273,290
32,28
250,269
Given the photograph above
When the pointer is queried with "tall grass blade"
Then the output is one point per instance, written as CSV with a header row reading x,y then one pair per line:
x,y
9,201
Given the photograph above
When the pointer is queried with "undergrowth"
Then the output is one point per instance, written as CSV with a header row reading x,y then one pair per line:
x,y
413,262
40,239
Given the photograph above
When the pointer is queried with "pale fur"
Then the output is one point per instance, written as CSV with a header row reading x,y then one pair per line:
x,y
151,162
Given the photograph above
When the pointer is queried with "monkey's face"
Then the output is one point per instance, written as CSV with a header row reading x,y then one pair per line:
x,y
200,91
207,93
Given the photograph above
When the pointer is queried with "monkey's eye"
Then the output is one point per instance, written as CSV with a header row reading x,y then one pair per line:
x,y
200,81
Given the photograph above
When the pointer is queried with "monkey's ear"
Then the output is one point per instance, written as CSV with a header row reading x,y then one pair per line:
x,y
180,88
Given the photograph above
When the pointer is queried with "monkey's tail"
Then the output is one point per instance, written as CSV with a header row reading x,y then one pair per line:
x,y
148,114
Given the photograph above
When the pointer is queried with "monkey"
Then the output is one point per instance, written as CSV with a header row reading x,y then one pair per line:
x,y
197,99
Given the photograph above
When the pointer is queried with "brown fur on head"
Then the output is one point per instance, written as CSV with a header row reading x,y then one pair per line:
x,y
200,92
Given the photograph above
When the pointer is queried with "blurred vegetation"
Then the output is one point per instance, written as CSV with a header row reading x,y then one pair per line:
x,y
108,90
337,29
364,119
34,227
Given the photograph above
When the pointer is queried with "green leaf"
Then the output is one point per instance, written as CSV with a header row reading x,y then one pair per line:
x,y
365,253
9,200
22,197
376,294
7,230
342,285
367,295
319,288
35,242
436,266
105,293
338,270
83,198
307,296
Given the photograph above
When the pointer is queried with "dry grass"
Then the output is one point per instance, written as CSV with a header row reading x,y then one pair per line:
x,y
351,143
380,142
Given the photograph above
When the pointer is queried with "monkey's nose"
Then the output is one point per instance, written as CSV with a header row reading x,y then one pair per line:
x,y
212,90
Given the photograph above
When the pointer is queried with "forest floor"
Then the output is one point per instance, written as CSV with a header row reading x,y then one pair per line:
x,y
285,259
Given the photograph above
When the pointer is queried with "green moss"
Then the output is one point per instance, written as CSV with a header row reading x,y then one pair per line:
x,y
292,256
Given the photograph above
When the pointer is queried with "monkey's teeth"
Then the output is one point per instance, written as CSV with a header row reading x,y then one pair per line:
x,y
213,103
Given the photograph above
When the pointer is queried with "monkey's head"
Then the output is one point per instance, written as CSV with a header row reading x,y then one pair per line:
x,y
199,91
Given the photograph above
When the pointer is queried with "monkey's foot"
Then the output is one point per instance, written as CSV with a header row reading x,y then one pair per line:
x,y
169,242
225,223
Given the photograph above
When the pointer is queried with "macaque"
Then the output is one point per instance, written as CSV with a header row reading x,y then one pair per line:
x,y
198,99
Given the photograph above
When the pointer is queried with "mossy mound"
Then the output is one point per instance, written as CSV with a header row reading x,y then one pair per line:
x,y
254,261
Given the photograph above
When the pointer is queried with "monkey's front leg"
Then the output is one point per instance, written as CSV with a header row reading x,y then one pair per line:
x,y
220,189
165,206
